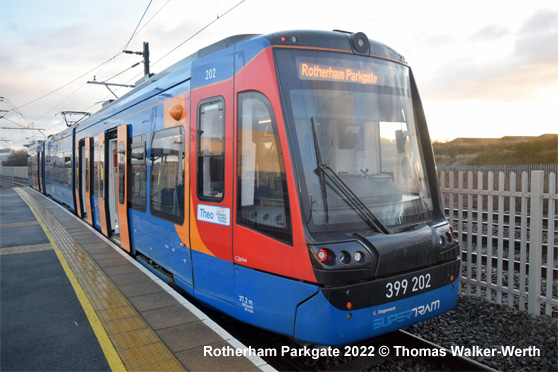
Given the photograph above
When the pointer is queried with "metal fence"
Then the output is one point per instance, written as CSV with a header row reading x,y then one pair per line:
x,y
17,172
508,233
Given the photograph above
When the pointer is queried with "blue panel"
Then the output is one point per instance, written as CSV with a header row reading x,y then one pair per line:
x,y
213,276
213,69
150,237
158,240
184,285
317,321
210,300
60,193
269,301
248,50
96,212
152,270
139,231
180,260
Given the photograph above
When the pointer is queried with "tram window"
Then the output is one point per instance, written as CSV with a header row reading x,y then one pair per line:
x,y
101,171
87,166
263,199
68,169
77,171
211,150
138,167
166,197
121,172
29,165
95,172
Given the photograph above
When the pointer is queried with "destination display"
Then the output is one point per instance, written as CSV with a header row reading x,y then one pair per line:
x,y
324,71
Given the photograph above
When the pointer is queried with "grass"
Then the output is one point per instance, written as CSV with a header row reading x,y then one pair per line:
x,y
502,151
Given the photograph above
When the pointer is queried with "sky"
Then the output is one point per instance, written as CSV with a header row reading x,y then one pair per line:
x,y
483,68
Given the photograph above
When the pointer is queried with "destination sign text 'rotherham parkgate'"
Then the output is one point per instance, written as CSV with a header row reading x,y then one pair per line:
x,y
316,72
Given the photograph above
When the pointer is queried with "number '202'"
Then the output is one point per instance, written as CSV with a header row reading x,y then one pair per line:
x,y
210,73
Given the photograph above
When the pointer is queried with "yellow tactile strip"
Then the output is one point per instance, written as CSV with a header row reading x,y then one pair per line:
x,y
137,345
26,249
18,224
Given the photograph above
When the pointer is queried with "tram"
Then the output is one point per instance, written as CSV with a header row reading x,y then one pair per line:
x,y
286,180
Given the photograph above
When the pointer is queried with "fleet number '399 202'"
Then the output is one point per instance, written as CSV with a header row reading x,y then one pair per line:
x,y
400,287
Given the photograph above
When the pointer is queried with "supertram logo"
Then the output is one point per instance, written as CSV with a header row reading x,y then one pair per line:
x,y
404,316
307,71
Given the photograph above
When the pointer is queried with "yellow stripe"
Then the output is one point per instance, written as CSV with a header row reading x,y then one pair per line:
x,y
112,356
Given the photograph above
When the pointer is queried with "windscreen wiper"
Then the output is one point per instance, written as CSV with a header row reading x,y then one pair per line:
x,y
351,198
320,165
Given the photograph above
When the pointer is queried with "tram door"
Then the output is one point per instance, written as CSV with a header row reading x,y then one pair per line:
x,y
112,184
122,186
86,179
40,167
78,178
211,175
101,185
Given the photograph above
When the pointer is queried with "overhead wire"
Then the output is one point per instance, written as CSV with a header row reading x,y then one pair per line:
x,y
199,31
179,45
73,81
96,67
141,19
136,31
154,15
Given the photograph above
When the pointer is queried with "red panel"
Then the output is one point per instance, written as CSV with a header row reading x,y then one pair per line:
x,y
250,247
207,237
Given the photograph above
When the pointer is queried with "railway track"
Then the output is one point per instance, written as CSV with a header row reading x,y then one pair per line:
x,y
359,356
506,263
506,216
8,181
484,239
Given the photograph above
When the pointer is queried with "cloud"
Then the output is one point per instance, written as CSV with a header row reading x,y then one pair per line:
x,y
541,20
502,73
537,41
490,32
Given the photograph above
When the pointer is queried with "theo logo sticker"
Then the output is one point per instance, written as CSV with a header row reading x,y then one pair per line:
x,y
213,214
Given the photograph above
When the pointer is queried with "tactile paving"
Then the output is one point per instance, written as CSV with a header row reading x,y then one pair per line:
x,y
138,346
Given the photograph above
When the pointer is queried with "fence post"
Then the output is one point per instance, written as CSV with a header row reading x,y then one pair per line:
x,y
535,242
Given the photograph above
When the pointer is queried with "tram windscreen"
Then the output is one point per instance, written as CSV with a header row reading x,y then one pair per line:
x,y
354,136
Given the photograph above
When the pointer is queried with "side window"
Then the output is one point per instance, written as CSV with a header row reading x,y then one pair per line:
x,y
102,171
87,166
211,150
138,189
95,172
77,172
121,172
263,199
166,198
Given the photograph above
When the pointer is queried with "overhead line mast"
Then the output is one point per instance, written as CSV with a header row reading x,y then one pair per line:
x,y
146,75
145,55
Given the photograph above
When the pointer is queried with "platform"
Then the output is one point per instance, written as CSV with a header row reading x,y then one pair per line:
x,y
72,300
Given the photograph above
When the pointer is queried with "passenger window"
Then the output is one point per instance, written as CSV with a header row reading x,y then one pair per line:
x,y
211,150
87,166
95,170
166,198
138,189
102,171
263,199
77,173
121,172
68,168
